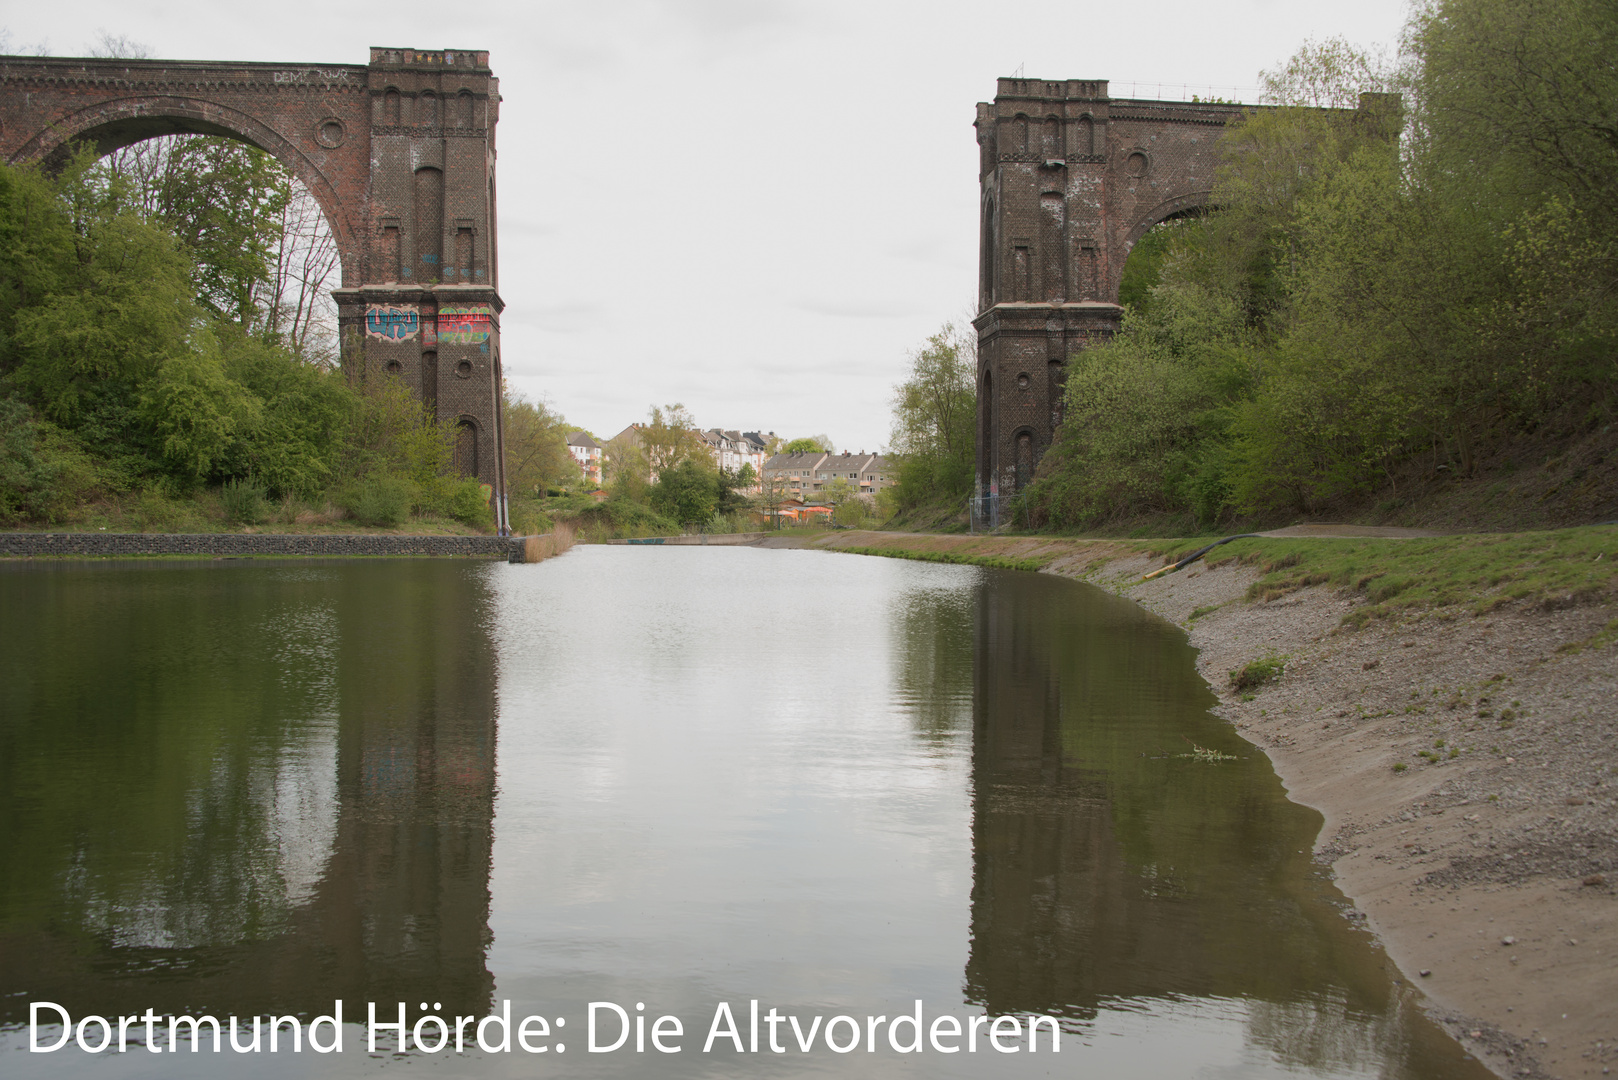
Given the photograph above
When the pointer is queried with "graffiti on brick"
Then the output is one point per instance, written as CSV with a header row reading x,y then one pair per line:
x,y
391,322
465,324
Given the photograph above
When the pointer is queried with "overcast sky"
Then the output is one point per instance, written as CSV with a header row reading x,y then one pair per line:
x,y
753,207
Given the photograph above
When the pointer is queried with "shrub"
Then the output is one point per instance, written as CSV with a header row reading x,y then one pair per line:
x,y
244,502
467,504
1258,672
378,500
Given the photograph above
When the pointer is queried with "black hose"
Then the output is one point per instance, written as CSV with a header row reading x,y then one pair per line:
x,y
1200,552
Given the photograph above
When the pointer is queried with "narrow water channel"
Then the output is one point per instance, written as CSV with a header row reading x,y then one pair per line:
x,y
688,779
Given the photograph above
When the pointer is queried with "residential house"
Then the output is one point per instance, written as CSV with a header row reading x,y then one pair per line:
x,y
587,453
802,476
733,449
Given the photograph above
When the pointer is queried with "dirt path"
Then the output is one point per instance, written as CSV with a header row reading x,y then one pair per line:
x,y
1488,864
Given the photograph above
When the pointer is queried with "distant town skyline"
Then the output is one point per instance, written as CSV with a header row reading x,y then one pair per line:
x,y
755,208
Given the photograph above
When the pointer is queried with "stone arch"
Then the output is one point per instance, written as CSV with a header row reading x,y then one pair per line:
x,y
116,124
1184,205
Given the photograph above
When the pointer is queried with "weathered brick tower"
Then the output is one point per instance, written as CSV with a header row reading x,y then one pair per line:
x,y
400,155
1070,178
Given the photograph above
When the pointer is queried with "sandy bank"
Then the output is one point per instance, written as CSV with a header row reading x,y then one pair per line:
x,y
1487,866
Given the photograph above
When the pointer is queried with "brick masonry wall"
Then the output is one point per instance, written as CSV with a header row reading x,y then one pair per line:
x,y
213,545
1071,178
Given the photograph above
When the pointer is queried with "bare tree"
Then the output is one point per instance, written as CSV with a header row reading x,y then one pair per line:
x,y
296,299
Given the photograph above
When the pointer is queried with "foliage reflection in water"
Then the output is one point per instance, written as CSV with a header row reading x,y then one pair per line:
x,y
830,783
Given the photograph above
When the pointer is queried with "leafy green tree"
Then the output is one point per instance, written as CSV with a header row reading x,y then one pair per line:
x,y
687,492
812,444
292,443
536,445
934,419
96,300
670,438
196,412
625,469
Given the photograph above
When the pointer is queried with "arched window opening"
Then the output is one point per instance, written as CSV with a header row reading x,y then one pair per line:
x,y
1025,459
390,108
1019,134
267,261
986,254
463,110
429,215
1084,137
427,110
466,447
1051,140
1053,213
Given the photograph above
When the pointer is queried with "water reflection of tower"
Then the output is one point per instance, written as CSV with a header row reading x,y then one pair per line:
x,y
404,911
1057,918
378,681
1108,871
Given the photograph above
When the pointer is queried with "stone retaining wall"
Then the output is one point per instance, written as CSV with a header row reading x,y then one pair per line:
x,y
116,545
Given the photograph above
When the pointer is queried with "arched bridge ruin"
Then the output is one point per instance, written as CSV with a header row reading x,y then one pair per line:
x,y
400,155
1071,178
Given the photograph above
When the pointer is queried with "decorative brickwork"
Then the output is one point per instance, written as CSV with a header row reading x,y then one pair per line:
x,y
400,155
1070,179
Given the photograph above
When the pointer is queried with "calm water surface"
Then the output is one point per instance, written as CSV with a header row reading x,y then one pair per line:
x,y
670,776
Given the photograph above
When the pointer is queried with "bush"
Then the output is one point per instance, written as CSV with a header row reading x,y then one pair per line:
x,y
378,500
26,481
467,504
244,502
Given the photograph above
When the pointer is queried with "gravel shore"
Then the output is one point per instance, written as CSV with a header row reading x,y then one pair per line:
x,y
1488,864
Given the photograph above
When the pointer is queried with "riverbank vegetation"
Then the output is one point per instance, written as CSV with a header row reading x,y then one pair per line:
x,y
1466,575
1471,574
1403,311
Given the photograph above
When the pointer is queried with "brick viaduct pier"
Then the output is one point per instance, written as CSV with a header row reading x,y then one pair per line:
x,y
1071,177
399,153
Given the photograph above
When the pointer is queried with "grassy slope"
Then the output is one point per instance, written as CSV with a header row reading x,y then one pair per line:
x,y
1449,576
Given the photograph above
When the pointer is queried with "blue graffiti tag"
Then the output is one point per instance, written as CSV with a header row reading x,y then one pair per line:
x,y
391,323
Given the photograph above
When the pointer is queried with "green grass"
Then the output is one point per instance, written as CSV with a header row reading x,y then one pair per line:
x,y
1474,573
1258,673
997,562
